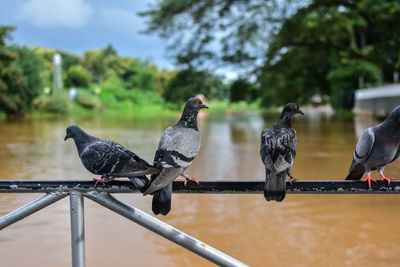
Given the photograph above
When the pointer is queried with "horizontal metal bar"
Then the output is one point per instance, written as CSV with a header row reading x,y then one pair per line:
x,y
153,224
30,208
205,187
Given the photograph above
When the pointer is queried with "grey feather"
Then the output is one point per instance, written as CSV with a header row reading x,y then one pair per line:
x,y
108,158
377,147
178,147
277,151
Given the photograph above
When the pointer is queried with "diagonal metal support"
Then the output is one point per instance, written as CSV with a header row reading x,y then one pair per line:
x,y
77,229
31,208
142,218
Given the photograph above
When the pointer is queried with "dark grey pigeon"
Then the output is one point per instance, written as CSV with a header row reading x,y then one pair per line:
x,y
109,159
377,147
278,149
178,146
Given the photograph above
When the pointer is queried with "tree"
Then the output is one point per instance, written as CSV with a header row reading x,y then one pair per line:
x,y
296,48
190,82
19,76
242,26
242,90
77,77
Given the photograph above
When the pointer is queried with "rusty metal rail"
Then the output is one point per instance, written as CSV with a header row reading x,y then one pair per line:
x,y
78,190
205,187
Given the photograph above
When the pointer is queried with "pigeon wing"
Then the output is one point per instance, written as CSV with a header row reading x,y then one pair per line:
x,y
177,149
364,146
100,157
278,148
266,149
361,155
166,176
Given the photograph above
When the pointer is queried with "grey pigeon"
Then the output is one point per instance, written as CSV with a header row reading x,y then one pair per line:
x,y
178,146
377,147
109,159
278,149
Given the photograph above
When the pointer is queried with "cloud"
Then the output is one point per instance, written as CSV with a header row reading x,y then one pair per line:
x,y
52,13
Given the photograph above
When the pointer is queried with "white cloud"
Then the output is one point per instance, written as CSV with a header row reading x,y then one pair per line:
x,y
48,13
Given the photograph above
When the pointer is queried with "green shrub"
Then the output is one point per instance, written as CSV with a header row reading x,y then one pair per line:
x,y
87,100
77,77
58,103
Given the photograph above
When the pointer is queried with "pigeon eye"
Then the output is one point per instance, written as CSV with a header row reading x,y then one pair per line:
x,y
196,102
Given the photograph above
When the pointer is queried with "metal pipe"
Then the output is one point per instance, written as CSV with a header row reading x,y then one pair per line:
x,y
30,208
205,187
77,230
142,218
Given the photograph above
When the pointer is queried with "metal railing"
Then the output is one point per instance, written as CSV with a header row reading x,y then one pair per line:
x,y
77,190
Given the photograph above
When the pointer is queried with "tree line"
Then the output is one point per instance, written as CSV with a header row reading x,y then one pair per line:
x,y
101,77
294,48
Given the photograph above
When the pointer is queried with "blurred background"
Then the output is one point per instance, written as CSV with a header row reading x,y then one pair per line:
x,y
122,70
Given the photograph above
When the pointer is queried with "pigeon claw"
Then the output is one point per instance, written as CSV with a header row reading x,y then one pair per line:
x,y
369,179
192,180
99,180
292,179
383,178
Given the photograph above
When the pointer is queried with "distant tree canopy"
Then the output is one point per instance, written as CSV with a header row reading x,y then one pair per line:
x,y
190,82
295,48
20,80
77,77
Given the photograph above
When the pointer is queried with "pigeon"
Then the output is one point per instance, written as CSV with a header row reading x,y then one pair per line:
x,y
277,150
178,146
377,147
109,159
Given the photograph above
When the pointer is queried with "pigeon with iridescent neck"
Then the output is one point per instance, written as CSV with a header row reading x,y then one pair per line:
x,y
178,146
109,159
377,147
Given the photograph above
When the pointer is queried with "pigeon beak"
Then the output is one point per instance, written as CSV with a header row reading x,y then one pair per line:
x,y
301,112
66,137
204,106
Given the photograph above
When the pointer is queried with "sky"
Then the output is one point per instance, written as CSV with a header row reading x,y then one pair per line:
x,y
79,25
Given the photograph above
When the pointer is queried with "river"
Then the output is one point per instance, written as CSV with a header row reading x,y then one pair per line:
x,y
303,230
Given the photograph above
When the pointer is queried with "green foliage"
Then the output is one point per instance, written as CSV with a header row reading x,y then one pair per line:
x,y
319,46
87,100
190,82
57,103
191,27
94,62
77,77
20,80
243,90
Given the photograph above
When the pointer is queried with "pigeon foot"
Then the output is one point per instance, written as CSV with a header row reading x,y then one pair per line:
x,y
99,180
191,180
384,178
369,179
292,178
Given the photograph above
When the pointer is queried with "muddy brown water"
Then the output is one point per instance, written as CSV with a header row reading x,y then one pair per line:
x,y
304,230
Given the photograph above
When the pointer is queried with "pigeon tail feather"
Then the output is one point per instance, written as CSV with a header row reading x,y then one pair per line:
x,y
275,186
162,200
356,171
140,183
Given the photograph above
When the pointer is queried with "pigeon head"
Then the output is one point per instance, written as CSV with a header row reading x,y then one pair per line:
x,y
194,104
292,109
77,134
189,115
